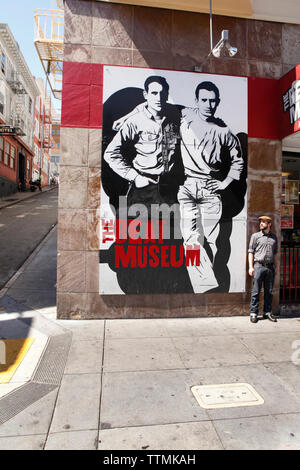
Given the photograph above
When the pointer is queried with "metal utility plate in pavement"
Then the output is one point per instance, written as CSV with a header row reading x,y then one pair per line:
x,y
226,395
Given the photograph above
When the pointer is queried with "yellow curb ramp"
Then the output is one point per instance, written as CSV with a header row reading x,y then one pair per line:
x,y
13,352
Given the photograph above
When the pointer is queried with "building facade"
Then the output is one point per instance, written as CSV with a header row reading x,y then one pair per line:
x,y
17,97
55,148
107,43
42,134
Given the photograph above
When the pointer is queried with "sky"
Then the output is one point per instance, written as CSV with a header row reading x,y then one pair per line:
x,y
19,15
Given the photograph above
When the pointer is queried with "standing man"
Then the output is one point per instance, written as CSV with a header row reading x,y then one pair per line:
x,y
262,248
212,159
144,149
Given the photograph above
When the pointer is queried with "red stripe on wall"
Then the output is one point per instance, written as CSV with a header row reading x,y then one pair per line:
x,y
83,89
82,95
96,98
263,108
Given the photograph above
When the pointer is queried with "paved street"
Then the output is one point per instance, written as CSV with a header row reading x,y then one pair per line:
x,y
22,227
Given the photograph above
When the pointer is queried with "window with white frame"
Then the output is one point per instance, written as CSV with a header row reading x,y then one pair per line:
x,y
28,168
12,157
1,148
10,73
6,153
36,154
3,60
1,103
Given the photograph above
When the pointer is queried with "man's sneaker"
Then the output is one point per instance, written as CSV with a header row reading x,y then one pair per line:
x,y
253,318
270,316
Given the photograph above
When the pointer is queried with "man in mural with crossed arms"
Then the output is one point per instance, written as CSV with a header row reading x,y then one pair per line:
x,y
207,146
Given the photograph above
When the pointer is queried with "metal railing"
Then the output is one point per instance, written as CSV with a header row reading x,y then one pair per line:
x,y
49,43
290,273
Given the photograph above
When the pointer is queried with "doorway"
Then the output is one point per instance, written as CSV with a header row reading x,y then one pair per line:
x,y
290,229
22,179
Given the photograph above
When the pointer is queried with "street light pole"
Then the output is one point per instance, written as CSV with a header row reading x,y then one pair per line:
x,y
210,26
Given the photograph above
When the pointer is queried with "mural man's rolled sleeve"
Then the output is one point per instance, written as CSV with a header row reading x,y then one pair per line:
x,y
237,163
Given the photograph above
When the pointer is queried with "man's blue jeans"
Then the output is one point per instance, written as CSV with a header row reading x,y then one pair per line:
x,y
262,276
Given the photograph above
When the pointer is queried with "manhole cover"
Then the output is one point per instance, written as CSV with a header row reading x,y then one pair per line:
x,y
226,395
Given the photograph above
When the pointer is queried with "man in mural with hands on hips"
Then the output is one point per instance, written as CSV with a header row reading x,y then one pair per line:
x,y
262,249
212,159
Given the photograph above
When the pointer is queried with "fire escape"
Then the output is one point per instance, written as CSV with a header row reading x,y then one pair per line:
x,y
46,124
18,115
49,43
14,79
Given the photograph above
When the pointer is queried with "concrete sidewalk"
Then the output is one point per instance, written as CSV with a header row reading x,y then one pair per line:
x,y
127,384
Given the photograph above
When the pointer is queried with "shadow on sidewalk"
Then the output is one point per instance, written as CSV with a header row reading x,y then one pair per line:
x,y
35,285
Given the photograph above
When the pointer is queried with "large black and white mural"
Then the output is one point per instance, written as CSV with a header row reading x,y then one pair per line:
x,y
174,182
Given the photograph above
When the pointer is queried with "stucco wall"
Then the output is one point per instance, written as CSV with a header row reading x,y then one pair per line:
x,y
97,32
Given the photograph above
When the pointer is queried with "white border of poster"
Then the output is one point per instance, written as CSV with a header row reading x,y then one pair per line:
x,y
232,109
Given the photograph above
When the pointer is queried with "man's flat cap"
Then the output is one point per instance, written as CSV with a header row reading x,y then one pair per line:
x,y
265,217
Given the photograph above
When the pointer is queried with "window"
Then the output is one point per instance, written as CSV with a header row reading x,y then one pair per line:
x,y
12,156
1,103
30,105
3,62
28,168
10,73
36,155
1,148
53,131
6,154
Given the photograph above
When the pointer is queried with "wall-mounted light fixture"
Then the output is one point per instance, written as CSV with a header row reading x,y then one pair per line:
x,y
222,46
224,43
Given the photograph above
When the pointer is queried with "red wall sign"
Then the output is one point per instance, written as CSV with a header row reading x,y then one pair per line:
x,y
289,113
